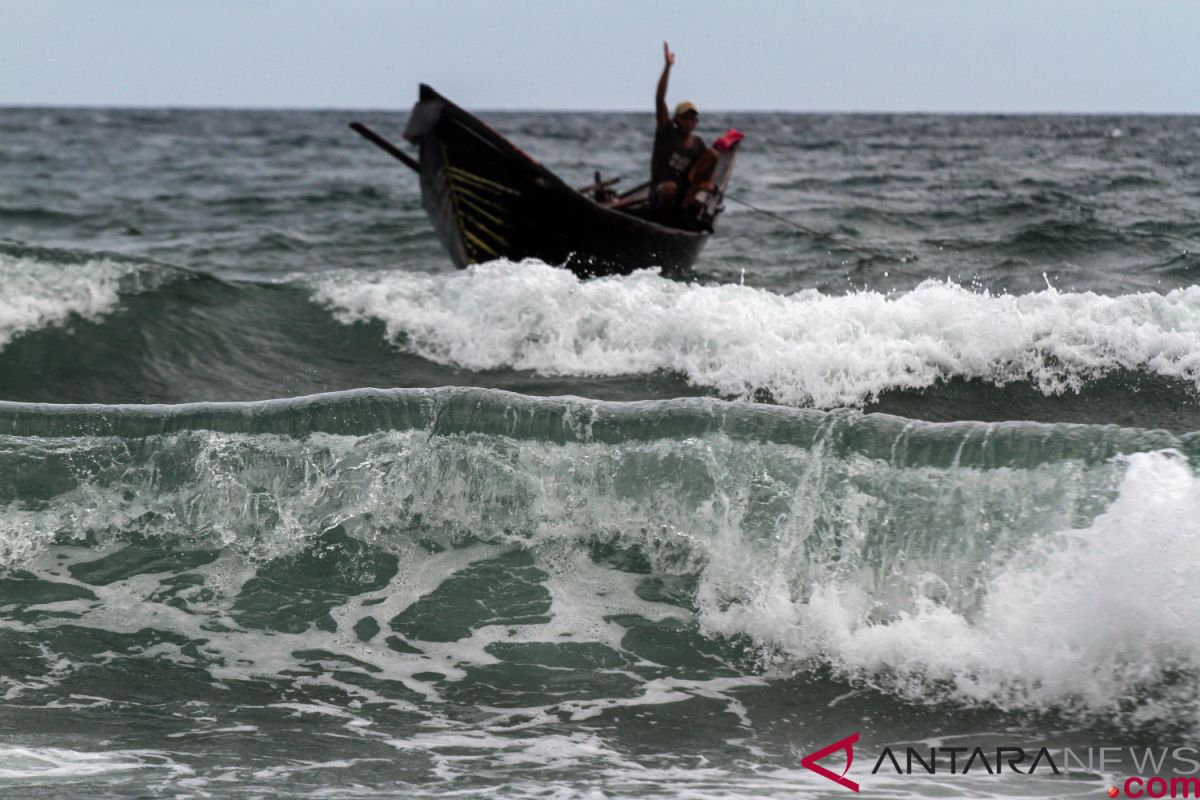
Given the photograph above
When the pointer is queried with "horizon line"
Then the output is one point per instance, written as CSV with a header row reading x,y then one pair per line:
x,y
581,110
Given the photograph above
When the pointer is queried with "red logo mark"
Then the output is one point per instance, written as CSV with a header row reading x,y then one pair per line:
x,y
847,744
1113,791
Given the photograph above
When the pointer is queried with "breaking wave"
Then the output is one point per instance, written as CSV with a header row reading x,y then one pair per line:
x,y
41,288
1011,564
804,349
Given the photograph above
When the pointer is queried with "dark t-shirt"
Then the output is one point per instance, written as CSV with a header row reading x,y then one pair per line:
x,y
671,160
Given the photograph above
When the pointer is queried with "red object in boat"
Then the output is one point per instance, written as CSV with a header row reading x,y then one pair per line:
x,y
729,140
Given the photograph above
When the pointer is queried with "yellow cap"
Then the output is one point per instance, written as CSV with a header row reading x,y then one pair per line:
x,y
685,107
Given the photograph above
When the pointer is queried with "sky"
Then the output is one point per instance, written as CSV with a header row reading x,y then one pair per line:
x,y
1090,56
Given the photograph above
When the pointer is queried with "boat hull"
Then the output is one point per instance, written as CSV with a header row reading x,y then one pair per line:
x,y
488,200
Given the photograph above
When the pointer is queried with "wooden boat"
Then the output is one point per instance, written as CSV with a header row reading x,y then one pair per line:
x,y
487,199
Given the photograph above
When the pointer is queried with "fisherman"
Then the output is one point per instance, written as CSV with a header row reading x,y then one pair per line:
x,y
681,165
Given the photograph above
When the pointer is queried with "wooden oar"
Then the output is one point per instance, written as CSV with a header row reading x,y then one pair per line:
x,y
591,187
386,146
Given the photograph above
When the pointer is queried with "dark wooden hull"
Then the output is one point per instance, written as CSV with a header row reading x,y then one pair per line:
x,y
489,200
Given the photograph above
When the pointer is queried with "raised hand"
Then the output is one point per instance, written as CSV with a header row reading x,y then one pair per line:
x,y
668,56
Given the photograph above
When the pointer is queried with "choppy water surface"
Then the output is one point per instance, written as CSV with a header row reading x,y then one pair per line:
x,y
926,471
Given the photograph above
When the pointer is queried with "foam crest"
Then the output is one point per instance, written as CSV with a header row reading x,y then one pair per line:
x,y
37,293
1100,616
805,349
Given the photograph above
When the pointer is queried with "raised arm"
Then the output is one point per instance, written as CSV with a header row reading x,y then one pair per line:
x,y
660,97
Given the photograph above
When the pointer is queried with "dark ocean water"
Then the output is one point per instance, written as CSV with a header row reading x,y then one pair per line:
x,y
290,507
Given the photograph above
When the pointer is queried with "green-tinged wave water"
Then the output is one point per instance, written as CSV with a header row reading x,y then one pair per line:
x,y
448,582
104,328
449,411
743,508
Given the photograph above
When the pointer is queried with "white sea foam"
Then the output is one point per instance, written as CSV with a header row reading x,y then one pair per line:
x,y
806,349
36,294
1059,584
1090,617
46,763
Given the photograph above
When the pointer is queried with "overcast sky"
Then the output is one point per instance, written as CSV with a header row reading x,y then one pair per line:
x,y
801,55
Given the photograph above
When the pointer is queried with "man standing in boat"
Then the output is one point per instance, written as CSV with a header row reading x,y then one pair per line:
x,y
680,165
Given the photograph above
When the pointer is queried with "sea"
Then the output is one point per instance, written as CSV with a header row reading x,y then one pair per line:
x,y
292,508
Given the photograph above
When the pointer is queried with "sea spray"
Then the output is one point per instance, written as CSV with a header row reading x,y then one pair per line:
x,y
877,546
1086,616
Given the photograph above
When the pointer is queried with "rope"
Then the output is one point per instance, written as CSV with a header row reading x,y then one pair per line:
x,y
775,216
810,231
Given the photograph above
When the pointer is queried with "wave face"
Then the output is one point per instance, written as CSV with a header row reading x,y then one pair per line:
x,y
804,349
96,327
382,563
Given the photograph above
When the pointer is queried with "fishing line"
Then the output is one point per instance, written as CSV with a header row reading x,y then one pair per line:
x,y
775,216
810,231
